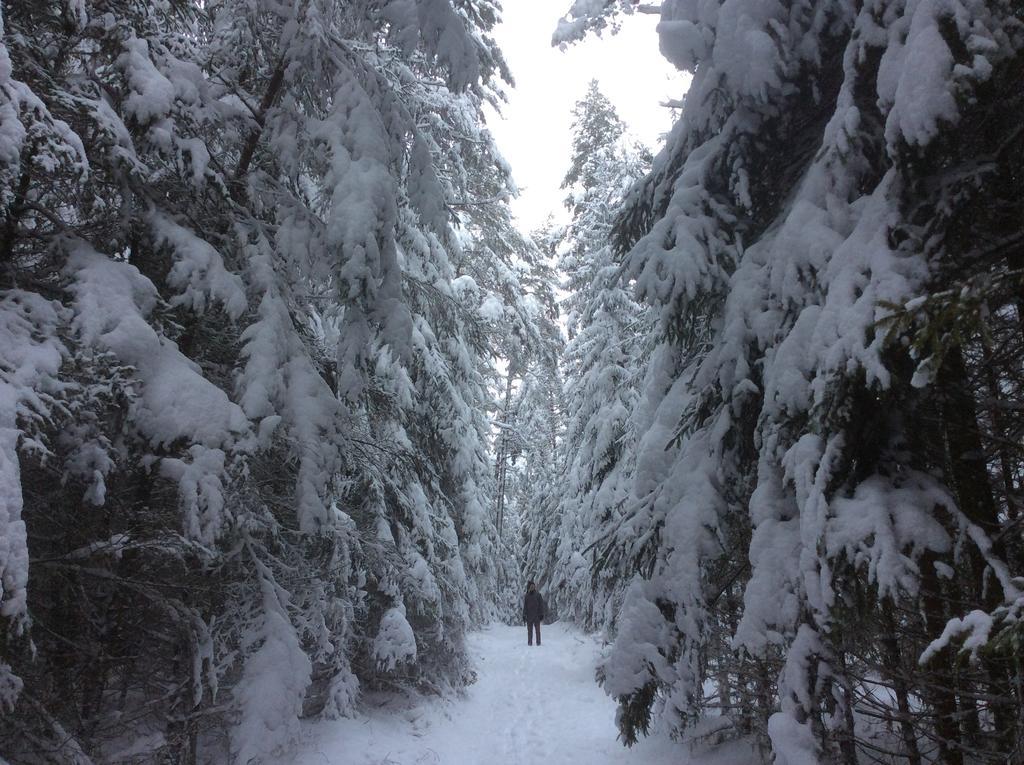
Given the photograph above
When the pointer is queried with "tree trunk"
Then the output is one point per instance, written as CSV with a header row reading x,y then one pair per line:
x,y
894,661
501,461
976,500
939,691
249,149
12,219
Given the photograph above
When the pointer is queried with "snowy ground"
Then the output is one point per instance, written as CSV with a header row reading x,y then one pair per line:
x,y
529,706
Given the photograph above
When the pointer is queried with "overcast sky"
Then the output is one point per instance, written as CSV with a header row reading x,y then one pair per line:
x,y
534,134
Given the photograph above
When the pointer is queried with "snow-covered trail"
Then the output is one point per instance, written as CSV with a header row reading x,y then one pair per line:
x,y
529,706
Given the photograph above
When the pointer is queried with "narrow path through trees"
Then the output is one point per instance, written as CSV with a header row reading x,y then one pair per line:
x,y
528,706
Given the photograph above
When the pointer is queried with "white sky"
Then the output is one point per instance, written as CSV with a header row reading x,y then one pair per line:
x,y
534,134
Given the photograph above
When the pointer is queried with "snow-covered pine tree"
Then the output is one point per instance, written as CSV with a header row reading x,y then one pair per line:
x,y
123,446
536,425
528,423
235,333
508,280
817,485
601,366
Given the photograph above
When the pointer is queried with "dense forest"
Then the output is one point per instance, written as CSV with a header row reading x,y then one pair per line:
x,y
257,270
289,404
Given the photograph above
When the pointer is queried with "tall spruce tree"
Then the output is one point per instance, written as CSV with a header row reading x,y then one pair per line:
x,y
600,367
826,491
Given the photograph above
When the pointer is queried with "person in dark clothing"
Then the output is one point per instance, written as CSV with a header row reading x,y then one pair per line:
x,y
533,612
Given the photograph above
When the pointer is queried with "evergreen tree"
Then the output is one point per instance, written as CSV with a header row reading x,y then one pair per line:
x,y
538,414
583,488
817,484
529,433
247,325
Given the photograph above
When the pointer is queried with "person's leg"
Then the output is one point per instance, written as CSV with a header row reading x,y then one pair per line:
x,y
538,633
529,633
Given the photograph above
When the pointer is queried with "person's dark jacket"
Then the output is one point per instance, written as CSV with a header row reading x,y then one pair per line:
x,y
533,607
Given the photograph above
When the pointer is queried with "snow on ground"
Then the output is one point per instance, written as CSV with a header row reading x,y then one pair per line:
x,y
529,706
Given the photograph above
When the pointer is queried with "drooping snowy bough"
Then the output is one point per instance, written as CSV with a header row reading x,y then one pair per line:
x,y
827,469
